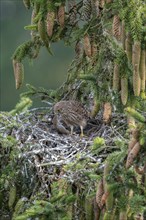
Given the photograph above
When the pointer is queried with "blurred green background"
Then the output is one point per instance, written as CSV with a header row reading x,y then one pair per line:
x,y
46,71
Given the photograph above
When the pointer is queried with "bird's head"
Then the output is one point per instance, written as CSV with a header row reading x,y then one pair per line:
x,y
57,109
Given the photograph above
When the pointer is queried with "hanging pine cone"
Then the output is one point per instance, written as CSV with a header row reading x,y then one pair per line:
x,y
132,155
99,193
123,34
116,78
18,73
128,47
50,22
116,27
87,45
136,81
136,50
131,144
107,197
104,198
142,70
61,15
134,139
93,46
124,90
107,112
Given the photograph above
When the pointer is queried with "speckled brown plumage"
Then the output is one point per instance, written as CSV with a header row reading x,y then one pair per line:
x,y
58,125
72,113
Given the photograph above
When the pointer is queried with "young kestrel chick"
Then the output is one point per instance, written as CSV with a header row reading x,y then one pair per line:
x,y
72,113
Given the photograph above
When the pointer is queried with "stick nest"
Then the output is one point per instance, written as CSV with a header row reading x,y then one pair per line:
x,y
41,153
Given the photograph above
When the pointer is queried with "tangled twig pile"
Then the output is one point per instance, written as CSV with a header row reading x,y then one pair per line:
x,y
36,135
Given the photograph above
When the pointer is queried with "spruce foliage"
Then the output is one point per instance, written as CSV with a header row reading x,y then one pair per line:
x,y
109,37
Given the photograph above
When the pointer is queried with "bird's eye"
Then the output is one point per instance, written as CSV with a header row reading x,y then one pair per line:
x,y
58,110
